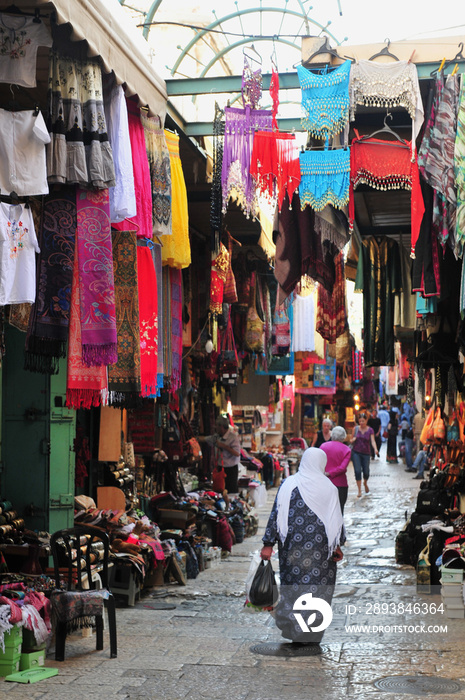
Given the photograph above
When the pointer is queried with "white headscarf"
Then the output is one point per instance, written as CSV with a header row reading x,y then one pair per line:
x,y
318,493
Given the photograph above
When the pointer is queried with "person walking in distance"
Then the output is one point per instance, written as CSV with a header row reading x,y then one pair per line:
x,y
338,460
362,439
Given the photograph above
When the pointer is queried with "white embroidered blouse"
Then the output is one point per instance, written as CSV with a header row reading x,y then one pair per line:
x,y
20,37
18,246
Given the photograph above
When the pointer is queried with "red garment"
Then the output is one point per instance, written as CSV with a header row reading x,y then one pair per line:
x,y
148,321
275,164
274,94
386,165
142,182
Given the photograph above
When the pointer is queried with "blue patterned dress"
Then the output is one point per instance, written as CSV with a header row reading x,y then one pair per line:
x,y
304,566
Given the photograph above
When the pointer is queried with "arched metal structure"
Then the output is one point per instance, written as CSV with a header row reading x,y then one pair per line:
x,y
200,34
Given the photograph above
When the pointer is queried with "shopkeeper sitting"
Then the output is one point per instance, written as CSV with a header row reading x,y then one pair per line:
x,y
227,448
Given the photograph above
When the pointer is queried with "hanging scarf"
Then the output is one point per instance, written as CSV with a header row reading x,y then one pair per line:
x,y
176,326
219,272
84,385
48,328
274,94
160,174
124,376
19,316
148,314
318,493
386,165
96,280
331,313
157,261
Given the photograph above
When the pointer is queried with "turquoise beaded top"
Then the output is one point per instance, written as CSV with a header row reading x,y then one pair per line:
x,y
325,100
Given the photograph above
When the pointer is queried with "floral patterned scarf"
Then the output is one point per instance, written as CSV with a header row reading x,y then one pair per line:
x,y
96,281
148,311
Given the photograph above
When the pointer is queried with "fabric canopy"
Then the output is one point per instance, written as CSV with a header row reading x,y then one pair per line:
x,y
104,25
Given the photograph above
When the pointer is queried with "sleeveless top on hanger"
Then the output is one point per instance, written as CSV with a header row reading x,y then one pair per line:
x,y
325,100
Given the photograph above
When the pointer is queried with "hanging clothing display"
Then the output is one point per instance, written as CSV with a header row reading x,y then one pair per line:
x,y
219,270
239,130
423,151
251,85
160,175
141,222
299,250
325,100
122,195
96,279
379,278
325,178
331,311
20,37
358,366
303,323
176,250
281,332
459,167
405,303
175,299
157,263
148,321
426,278
216,197
124,376
79,151
18,260
387,85
275,164
230,291
331,225
22,153
48,330
386,165
274,94
85,386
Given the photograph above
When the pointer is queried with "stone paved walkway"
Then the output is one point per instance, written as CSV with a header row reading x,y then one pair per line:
x,y
201,648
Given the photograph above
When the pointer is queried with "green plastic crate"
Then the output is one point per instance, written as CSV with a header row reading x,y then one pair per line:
x,y
11,652
32,660
13,635
451,575
9,667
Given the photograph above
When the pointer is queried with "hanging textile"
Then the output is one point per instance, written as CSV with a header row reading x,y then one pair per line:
x,y
48,330
122,195
22,153
331,225
299,250
358,366
379,278
230,291
175,277
141,222
96,280
20,37
240,127
251,85
423,151
148,321
219,270
426,276
79,151
459,167
281,332
176,250
325,178
386,165
387,85
325,100
85,386
303,323
124,376
405,313
275,164
274,94
19,316
156,256
216,192
18,260
160,175
331,312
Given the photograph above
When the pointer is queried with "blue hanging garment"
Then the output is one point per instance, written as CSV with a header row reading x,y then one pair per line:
x,y
325,100
325,178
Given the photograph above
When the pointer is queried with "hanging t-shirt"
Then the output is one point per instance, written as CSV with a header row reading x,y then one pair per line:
x,y
23,136
18,245
20,37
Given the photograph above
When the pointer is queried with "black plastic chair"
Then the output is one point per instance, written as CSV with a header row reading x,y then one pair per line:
x,y
77,549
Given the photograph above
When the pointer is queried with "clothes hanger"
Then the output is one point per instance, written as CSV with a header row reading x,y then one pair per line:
x,y
385,130
251,56
325,48
458,57
384,52
438,70
15,10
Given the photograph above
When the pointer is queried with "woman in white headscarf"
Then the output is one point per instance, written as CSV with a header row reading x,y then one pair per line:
x,y
306,521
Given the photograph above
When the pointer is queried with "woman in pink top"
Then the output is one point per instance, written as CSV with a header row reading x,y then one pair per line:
x,y
338,459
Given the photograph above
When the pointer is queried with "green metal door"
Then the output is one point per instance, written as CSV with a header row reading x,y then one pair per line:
x,y
62,460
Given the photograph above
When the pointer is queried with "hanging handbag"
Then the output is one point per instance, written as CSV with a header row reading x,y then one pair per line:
x,y
228,361
346,383
343,347
254,331
439,428
427,433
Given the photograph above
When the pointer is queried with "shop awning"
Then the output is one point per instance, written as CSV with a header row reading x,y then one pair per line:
x,y
101,24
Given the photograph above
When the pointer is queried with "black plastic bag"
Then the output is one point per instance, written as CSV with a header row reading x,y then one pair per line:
x,y
264,591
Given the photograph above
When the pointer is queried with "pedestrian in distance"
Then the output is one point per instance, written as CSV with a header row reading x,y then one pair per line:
x,y
362,439
339,456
